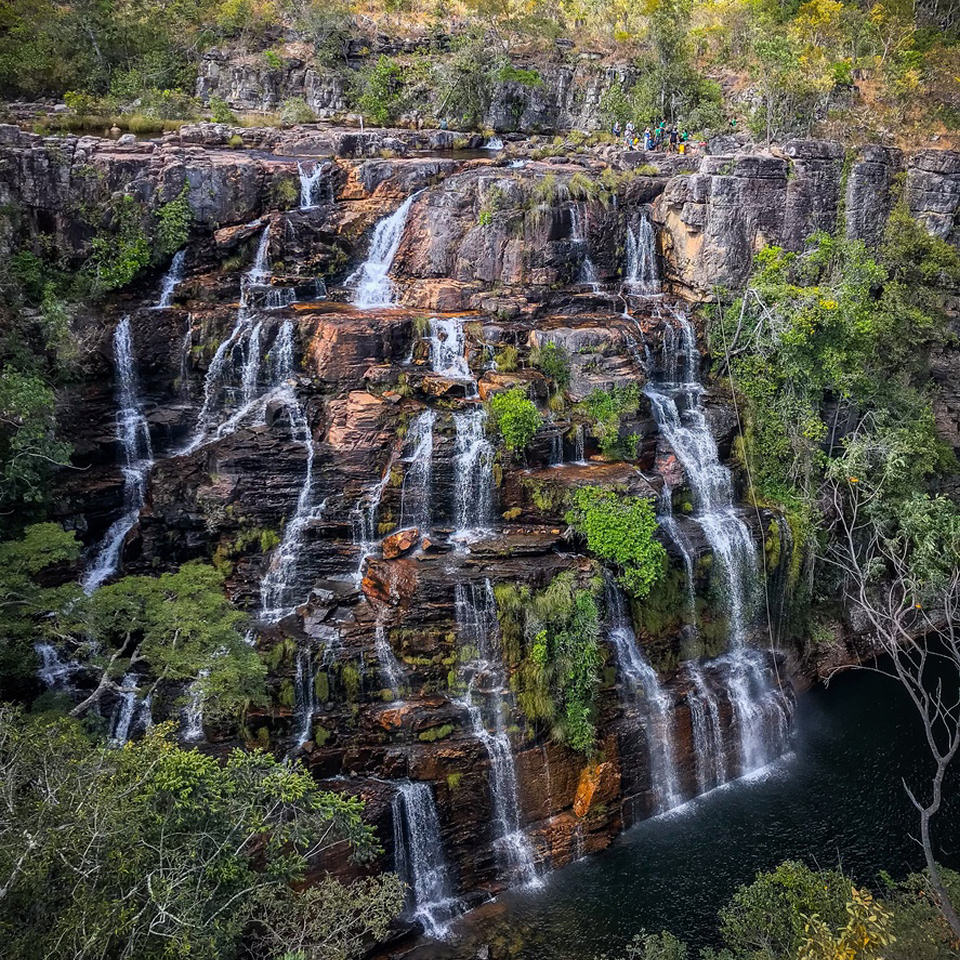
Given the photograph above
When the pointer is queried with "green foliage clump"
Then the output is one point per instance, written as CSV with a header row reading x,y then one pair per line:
x,y
220,111
160,845
173,224
120,253
516,417
553,361
619,528
552,639
604,408
379,91
295,110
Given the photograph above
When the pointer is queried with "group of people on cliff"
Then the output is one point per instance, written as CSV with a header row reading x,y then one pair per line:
x,y
663,137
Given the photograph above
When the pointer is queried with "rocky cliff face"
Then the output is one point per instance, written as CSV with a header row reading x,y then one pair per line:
x,y
315,393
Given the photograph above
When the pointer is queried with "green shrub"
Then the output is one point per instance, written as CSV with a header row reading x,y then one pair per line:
x,y
620,528
379,91
121,253
173,224
274,60
553,361
516,417
506,359
296,110
220,111
605,408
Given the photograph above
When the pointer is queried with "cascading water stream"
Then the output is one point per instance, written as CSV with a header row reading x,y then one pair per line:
x,y
305,696
171,280
476,613
672,529
54,673
419,860
371,283
640,275
192,714
390,667
448,346
707,734
578,234
676,402
308,184
133,435
416,497
642,686
473,456
131,712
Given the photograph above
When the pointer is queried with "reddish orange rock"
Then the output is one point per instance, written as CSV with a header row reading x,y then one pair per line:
x,y
399,543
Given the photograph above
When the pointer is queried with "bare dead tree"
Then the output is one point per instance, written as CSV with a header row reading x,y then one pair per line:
x,y
916,635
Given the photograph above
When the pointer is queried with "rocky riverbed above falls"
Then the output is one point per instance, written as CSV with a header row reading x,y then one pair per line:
x,y
314,388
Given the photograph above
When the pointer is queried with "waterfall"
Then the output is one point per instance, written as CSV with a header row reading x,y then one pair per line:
x,y
245,328
578,234
678,410
389,665
54,672
641,272
185,348
707,735
305,697
131,711
448,348
669,525
556,450
676,403
419,860
279,589
307,183
493,143
476,613
171,279
473,476
133,435
416,497
370,283
639,677
192,713
363,519
578,445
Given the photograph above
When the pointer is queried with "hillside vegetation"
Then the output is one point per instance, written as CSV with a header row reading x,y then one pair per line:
x,y
859,70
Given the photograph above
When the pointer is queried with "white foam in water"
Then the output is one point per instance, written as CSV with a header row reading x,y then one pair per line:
x,y
389,665
707,734
305,697
371,283
578,234
494,143
133,435
308,183
476,613
419,860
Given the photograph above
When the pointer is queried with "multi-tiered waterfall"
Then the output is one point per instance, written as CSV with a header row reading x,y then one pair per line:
x,y
473,456
485,677
133,436
371,282
761,711
640,276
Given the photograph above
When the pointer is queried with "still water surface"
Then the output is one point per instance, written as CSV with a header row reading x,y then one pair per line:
x,y
836,799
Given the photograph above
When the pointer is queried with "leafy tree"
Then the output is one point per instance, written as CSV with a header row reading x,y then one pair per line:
x,y
605,408
516,417
121,252
553,361
620,528
170,853
380,91
173,224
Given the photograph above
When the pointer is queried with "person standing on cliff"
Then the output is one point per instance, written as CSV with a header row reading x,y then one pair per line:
x,y
616,129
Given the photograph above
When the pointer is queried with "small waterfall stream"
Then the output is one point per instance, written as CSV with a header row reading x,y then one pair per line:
x,y
54,672
640,681
448,346
390,668
308,184
133,435
371,283
707,733
305,697
476,613
131,713
640,275
171,280
419,859
416,496
578,234
473,456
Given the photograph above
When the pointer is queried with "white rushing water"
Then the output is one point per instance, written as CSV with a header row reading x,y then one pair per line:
x,y
371,283
416,496
708,746
171,280
493,143
448,347
305,696
672,529
641,269
761,713
578,234
191,728
390,667
476,613
642,685
419,859
473,457
54,672
308,184
133,435
132,713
